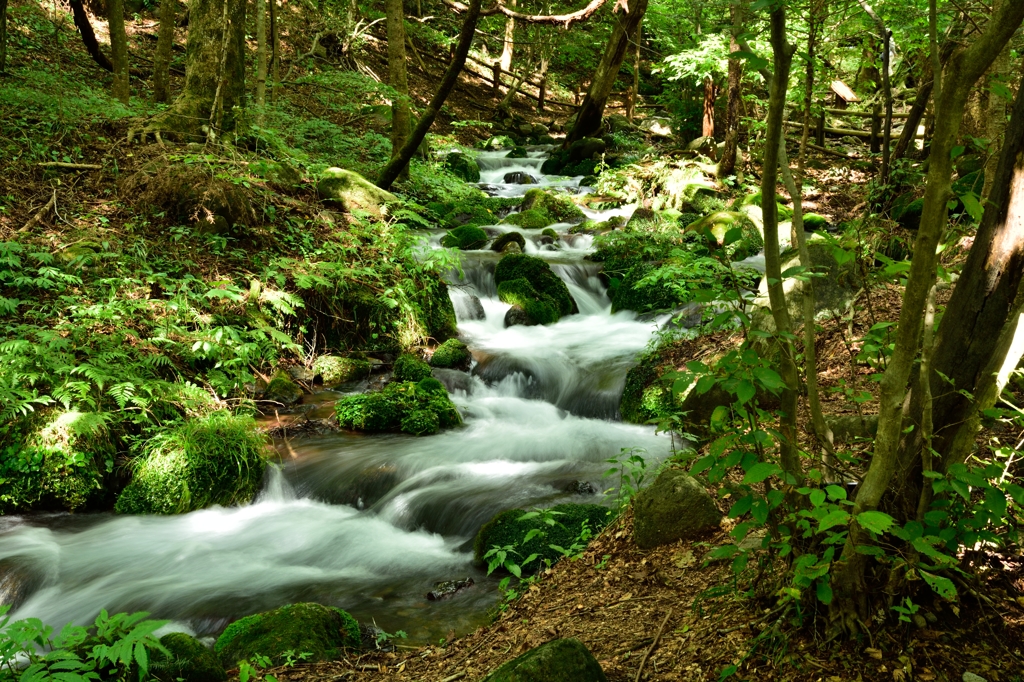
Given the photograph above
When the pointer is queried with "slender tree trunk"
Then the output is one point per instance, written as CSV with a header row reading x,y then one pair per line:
x,y
89,36
591,113
509,45
996,115
275,51
164,45
813,22
727,164
965,68
910,126
635,96
401,117
118,48
261,52
710,94
774,139
3,35
542,89
395,166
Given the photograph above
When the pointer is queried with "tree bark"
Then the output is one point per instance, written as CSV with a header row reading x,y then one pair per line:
x,y
964,70
996,116
710,94
261,52
395,166
162,58
508,46
275,51
591,113
727,164
118,49
214,72
813,24
401,117
634,97
3,35
81,20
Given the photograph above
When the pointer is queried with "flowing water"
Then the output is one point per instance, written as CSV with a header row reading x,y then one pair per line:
x,y
370,522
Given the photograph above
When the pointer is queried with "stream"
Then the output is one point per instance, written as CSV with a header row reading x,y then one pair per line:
x,y
369,522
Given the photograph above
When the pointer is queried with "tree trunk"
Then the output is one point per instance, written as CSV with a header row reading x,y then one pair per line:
x,y
275,51
996,116
261,52
509,45
397,77
3,35
850,605
910,126
813,23
727,164
118,48
395,166
89,36
162,58
214,72
591,113
710,94
634,97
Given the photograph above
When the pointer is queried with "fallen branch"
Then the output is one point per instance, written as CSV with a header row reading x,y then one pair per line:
x,y
564,19
42,213
70,166
654,645
452,678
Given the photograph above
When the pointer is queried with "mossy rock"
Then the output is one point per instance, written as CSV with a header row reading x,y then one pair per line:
x,y
498,142
282,389
674,507
540,276
561,208
451,354
465,238
509,238
410,368
785,213
561,660
517,153
333,370
506,529
321,631
721,223
907,211
190,661
462,166
354,192
644,397
533,219
537,307
392,409
217,459
970,182
629,295
584,149
814,222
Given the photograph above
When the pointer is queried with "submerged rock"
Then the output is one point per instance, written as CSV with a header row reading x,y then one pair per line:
x,y
562,660
674,507
321,631
446,589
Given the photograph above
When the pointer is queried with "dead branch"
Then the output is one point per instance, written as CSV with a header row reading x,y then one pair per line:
x,y
654,645
565,20
41,213
70,166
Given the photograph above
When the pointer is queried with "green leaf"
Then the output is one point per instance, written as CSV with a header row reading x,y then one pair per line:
x,y
741,506
973,206
836,492
760,472
943,587
875,521
824,592
957,151
837,517
769,378
817,497
757,63
745,392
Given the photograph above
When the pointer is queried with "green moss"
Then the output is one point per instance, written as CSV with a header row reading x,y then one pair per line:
x,y
814,222
431,385
518,153
539,275
508,238
506,529
410,368
559,207
391,408
540,308
462,166
217,459
421,423
643,397
282,389
334,370
466,238
533,219
436,313
498,142
189,661
550,232
321,631
451,353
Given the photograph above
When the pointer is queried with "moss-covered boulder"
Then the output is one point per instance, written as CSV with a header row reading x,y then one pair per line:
x,y
504,240
907,210
334,370
189,661
410,368
353,192
561,660
217,459
452,354
400,406
465,238
530,306
674,507
533,219
550,233
814,222
721,224
530,284
281,389
497,142
462,166
561,208
510,529
321,631
644,397
785,213
517,153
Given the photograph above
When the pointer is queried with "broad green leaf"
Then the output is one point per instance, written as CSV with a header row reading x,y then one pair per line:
x,y
944,587
760,472
745,392
817,497
824,592
837,517
875,521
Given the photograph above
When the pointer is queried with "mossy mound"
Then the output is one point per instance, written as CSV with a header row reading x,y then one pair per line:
x,y
517,153
465,238
533,219
538,308
462,166
507,529
907,210
785,213
498,142
189,661
562,660
550,233
354,192
451,354
321,631
410,368
814,222
400,406
217,459
561,208
509,238
546,286
334,370
721,225
282,389
644,397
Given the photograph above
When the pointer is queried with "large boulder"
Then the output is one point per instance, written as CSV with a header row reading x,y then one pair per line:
x,y
530,284
334,370
584,149
674,507
504,240
353,192
465,238
451,354
321,631
463,166
189,661
561,660
420,409
558,207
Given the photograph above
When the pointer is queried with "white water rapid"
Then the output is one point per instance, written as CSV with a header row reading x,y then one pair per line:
x,y
370,522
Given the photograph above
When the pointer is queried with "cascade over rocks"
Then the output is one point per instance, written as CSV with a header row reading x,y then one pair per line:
x,y
674,507
354,192
562,660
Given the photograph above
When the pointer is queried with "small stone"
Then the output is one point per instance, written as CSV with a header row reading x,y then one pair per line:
x,y
971,677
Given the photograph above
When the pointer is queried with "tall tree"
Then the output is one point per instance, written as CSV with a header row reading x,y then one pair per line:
x,y
727,164
3,35
509,44
261,52
401,118
162,58
591,113
118,48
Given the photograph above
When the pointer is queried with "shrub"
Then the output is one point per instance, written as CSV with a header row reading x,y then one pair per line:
x,y
321,631
217,459
508,529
